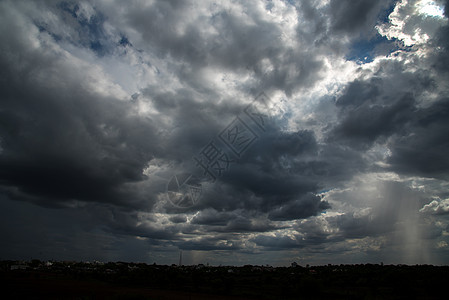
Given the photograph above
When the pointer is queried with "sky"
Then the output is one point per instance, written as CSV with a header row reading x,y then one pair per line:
x,y
238,132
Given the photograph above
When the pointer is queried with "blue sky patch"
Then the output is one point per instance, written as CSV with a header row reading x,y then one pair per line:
x,y
383,16
124,41
91,32
364,51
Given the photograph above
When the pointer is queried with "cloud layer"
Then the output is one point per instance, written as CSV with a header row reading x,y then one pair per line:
x,y
103,103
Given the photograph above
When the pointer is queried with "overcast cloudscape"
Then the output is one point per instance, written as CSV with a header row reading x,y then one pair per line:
x,y
240,132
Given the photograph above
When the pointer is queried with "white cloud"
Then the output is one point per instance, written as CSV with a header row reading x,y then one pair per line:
x,y
410,24
430,8
437,206
442,244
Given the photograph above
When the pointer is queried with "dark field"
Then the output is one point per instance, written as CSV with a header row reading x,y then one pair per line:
x,y
70,280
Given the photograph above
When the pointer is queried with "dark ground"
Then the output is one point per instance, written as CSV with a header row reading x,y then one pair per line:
x,y
71,280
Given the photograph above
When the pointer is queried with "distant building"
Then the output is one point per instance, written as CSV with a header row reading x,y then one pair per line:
x,y
19,267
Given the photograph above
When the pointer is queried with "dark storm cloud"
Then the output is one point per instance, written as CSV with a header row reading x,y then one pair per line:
x,y
195,120
208,243
280,175
361,226
423,150
248,224
325,25
396,209
273,173
313,232
178,219
232,221
388,108
418,144
211,217
277,242
302,208
367,122
62,142
77,146
307,233
356,17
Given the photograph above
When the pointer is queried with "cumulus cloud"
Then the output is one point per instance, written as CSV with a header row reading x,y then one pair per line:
x,y
103,102
440,206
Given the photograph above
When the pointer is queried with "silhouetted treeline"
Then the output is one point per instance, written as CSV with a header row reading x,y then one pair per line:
x,y
367,281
